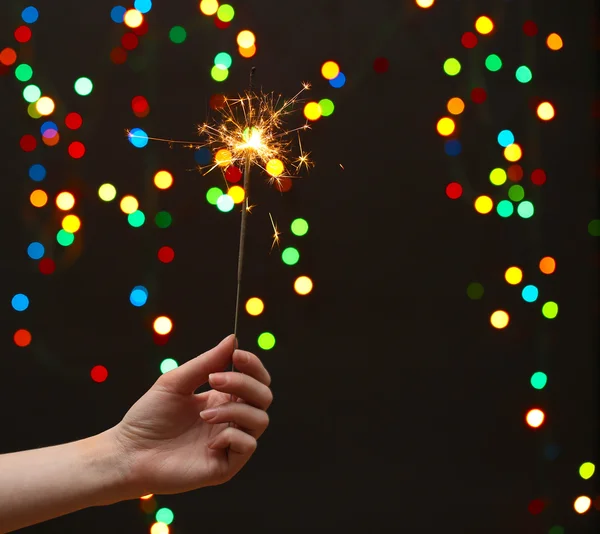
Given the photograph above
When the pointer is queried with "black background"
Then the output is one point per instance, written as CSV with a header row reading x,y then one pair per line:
x,y
397,407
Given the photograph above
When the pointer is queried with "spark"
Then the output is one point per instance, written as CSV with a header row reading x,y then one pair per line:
x,y
249,208
276,239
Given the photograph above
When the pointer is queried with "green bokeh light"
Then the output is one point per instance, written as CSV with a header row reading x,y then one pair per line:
x,y
84,86
475,291
32,93
218,74
550,310
163,219
498,176
539,380
23,72
526,209
290,256
167,365
225,13
493,63
523,74
327,107
586,471
452,66
266,341
64,238
556,530
136,219
299,227
223,60
505,208
516,193
165,515
594,228
213,195
177,34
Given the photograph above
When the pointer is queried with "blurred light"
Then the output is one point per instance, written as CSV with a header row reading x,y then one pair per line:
x,y
22,34
530,293
275,167
548,265
76,150
22,338
475,291
159,528
513,152
327,107
381,65
65,201
247,52
8,57
30,15
165,515
20,302
107,192
582,504
23,73
525,209
129,204
312,111
143,6
456,106
545,111
35,250
484,205
484,25
64,238
586,471
99,374
493,63
445,126
163,325
425,3
209,7
523,74
515,173
554,41
71,224
237,193
594,228
84,86
255,306
225,203
223,60
530,28
213,195
506,138
538,177
202,156
223,157
117,14
163,179
37,172
498,176
339,81
38,198
452,147
32,93
516,193
246,39
177,34
454,190
138,296
290,256
266,341
514,276
550,310
330,70
166,254
303,285
299,227
452,66
505,208
163,219
45,106
168,365
225,13
535,418
499,319
469,40
133,18
73,121
539,380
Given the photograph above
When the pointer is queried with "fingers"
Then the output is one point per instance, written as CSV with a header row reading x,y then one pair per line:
x,y
251,420
244,386
185,379
241,448
250,364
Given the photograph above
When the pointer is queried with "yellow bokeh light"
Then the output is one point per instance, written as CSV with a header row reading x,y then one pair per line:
x,y
545,111
330,70
159,528
38,198
513,276
246,39
535,418
247,52
456,106
554,41
45,106
484,25
163,179
582,504
65,201
223,157
446,126
163,325
107,192
209,7
129,204
255,306
71,224
133,18
313,111
303,285
513,152
275,167
425,3
499,319
146,497
484,205
237,193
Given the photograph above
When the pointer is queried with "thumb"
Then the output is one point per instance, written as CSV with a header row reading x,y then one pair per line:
x,y
185,379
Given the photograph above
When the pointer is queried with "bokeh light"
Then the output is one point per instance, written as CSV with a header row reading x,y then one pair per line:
x,y
45,106
71,224
312,111
166,254
525,209
506,138
475,291
523,74
165,515
168,365
247,52
223,157
445,126
225,13
129,204
163,325
138,138
213,195
223,60
545,111
30,15
330,70
327,107
266,341
64,238
516,193
237,193
65,201
452,66
339,81
484,25
594,228
303,285
36,250
22,338
505,208
84,86
23,72
163,179
425,4
290,256
530,293
498,176
107,192
99,374
550,310
582,504
513,152
177,34
136,219
20,302
554,41
246,39
225,203
454,190
484,205
539,380
299,227
586,470
275,167
514,276
133,18
548,265
209,7
38,198
32,93
255,306
535,418
219,74
499,319
138,296
493,63
159,528
456,106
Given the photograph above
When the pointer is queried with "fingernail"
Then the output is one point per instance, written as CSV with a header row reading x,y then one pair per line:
x,y
216,379
209,414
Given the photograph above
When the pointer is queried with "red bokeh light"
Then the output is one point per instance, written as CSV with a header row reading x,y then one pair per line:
x,y
283,185
22,34
139,104
47,266
538,177
142,29
220,24
166,254
217,102
530,28
129,41
478,95
233,174
515,173
28,143
454,190
73,121
469,40
536,507
22,338
160,340
76,150
118,56
381,65
99,373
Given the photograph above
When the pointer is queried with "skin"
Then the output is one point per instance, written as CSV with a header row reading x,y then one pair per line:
x,y
170,441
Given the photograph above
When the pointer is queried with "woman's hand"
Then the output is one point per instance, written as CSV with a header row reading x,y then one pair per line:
x,y
168,447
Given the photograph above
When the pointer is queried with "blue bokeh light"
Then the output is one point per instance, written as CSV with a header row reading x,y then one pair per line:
x,y
203,156
138,138
338,81
506,138
36,251
143,6
530,293
139,296
117,14
20,302
30,15
453,147
37,172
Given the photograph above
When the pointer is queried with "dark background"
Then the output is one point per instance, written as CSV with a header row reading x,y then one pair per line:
x,y
397,407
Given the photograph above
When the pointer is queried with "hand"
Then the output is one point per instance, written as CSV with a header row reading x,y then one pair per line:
x,y
169,448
